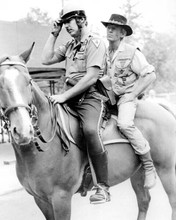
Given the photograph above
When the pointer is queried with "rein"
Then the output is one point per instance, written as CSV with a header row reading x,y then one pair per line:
x,y
61,130
33,115
37,129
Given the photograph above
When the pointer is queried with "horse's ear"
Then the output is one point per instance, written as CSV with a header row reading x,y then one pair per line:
x,y
26,54
3,58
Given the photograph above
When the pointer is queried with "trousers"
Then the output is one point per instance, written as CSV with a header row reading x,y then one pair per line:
x,y
90,110
125,122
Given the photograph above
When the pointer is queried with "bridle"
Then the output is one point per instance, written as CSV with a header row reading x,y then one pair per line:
x,y
4,113
15,107
12,63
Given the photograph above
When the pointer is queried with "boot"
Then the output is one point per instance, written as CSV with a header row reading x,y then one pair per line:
x,y
100,165
150,172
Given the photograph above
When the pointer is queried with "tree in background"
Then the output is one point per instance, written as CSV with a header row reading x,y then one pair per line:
x,y
159,48
36,15
160,51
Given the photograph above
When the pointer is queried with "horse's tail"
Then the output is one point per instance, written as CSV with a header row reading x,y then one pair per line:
x,y
168,108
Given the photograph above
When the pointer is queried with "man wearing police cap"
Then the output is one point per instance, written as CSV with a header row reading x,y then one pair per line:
x,y
85,60
130,75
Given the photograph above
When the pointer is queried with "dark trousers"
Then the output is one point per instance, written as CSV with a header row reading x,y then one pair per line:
x,y
90,108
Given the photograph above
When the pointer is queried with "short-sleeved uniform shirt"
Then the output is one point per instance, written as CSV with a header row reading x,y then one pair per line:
x,y
125,67
90,52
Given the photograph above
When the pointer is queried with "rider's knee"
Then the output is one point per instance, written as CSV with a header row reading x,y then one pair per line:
x,y
125,127
89,132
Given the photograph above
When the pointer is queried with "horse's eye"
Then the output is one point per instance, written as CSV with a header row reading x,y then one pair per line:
x,y
3,109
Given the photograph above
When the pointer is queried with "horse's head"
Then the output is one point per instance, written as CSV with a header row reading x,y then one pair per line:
x,y
15,97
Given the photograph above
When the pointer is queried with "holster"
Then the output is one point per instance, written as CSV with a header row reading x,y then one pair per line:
x,y
104,86
69,83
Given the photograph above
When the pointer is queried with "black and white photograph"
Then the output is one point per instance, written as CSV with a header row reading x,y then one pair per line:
x,y
88,110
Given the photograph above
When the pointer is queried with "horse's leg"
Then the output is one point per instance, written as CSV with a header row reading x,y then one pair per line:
x,y
46,208
168,180
142,194
60,209
61,201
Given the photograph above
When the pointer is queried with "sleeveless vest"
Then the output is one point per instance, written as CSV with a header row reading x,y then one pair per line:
x,y
119,70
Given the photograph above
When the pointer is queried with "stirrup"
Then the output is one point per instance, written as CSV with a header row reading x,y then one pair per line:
x,y
101,195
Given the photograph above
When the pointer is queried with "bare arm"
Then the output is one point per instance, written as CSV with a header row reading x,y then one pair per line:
x,y
142,83
88,80
48,54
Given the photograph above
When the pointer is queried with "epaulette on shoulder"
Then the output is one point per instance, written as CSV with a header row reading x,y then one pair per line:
x,y
96,41
70,42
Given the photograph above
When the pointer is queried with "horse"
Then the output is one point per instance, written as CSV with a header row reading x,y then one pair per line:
x,y
47,141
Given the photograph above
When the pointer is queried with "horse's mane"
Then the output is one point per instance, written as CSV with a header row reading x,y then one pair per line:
x,y
38,92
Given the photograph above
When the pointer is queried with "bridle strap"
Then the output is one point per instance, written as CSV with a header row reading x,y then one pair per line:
x,y
13,108
13,63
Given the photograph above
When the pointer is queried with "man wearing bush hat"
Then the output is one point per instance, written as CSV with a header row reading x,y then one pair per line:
x,y
119,20
130,74
85,60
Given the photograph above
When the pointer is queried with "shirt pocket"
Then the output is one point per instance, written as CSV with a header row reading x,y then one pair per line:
x,y
123,63
69,63
80,61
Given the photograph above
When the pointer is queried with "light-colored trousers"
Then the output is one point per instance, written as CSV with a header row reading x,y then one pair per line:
x,y
125,122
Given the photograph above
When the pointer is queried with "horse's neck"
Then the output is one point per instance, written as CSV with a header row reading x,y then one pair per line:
x,y
44,110
39,99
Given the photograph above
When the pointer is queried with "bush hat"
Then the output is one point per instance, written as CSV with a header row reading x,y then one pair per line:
x,y
119,20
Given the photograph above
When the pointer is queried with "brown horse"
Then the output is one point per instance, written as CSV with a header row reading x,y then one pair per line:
x,y
47,143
